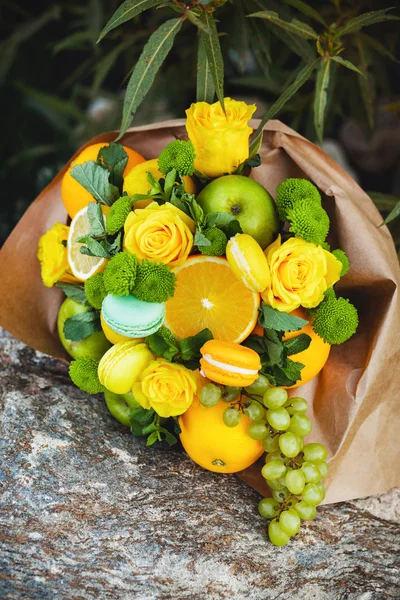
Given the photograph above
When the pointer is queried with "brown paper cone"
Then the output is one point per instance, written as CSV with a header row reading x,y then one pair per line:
x,y
355,399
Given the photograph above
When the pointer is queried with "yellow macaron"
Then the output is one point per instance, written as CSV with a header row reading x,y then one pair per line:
x,y
229,363
248,262
113,336
121,365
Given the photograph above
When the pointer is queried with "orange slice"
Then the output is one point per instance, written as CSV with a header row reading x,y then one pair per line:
x,y
82,266
208,294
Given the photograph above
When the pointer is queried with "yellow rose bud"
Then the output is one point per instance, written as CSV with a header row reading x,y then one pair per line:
x,y
53,256
159,232
300,274
221,141
166,387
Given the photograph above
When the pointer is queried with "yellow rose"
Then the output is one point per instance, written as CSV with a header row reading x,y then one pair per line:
x,y
221,141
53,256
167,387
300,274
159,232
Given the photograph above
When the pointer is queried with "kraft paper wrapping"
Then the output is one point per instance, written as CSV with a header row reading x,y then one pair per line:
x,y
354,401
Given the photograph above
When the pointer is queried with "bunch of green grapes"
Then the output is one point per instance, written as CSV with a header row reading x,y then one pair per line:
x,y
292,470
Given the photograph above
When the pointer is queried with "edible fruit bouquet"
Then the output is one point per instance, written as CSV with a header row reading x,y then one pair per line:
x,y
197,304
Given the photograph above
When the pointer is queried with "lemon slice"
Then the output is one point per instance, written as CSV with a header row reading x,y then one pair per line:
x,y
82,266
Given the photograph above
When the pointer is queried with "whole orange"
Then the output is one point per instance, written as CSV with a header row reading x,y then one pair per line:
x,y
74,195
213,445
316,354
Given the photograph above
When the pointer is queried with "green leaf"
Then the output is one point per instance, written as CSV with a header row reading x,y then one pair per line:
x,y
369,18
297,344
161,346
169,183
80,326
94,179
169,437
93,247
273,346
384,202
198,22
298,45
140,418
196,212
146,68
232,228
393,214
321,95
205,91
115,159
307,10
347,64
300,80
200,239
153,437
214,55
190,346
367,82
288,374
270,318
294,26
127,10
76,292
96,219
219,219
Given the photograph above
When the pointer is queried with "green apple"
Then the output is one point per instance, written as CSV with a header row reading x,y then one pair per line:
x,y
120,405
95,345
246,200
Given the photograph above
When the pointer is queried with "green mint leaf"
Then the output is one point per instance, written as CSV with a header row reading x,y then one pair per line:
x,y
115,246
274,346
297,344
190,346
288,375
200,239
94,248
179,203
219,219
94,179
196,212
115,159
96,220
152,439
162,347
140,418
232,228
82,325
169,183
76,292
270,318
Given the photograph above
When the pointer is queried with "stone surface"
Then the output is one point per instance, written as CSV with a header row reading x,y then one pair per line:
x,y
87,512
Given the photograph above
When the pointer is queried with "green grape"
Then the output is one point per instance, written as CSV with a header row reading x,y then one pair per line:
x,y
230,393
289,521
280,495
313,494
278,418
295,481
301,440
300,425
259,386
305,511
275,397
291,503
210,395
322,489
273,470
296,405
271,444
322,467
254,411
310,472
289,444
276,534
267,508
277,455
275,484
231,417
258,430
313,452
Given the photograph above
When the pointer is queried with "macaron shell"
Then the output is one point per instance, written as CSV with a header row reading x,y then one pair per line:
x,y
234,356
131,317
219,375
248,262
122,365
112,335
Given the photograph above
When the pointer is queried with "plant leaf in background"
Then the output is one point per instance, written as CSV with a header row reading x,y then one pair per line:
x,y
214,55
128,10
307,10
321,95
294,26
205,91
347,64
151,59
364,20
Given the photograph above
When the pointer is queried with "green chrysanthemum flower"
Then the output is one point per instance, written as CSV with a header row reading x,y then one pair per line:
x,y
329,294
336,320
166,334
95,290
83,372
177,155
293,189
342,257
308,221
218,241
118,214
155,282
120,274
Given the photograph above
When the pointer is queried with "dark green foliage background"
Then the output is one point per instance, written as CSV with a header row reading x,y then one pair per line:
x,y
53,75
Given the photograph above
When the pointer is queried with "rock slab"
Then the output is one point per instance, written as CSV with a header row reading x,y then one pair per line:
x,y
87,511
